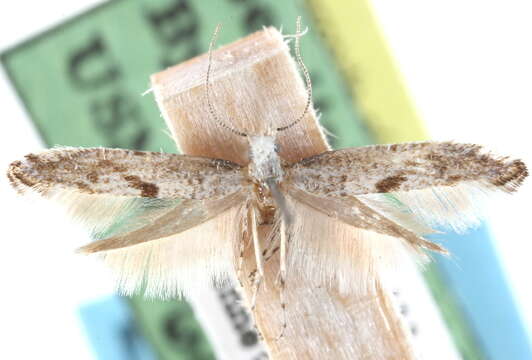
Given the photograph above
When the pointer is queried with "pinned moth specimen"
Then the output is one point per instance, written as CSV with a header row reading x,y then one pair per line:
x,y
151,212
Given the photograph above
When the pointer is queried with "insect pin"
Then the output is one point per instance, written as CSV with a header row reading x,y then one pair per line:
x,y
332,215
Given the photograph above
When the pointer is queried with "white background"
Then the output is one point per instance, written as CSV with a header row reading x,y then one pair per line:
x,y
467,65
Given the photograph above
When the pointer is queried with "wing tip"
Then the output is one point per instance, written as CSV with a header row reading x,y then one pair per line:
x,y
17,179
21,176
94,247
513,176
432,246
85,250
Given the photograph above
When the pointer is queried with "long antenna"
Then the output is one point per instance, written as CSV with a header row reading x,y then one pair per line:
x,y
208,88
307,78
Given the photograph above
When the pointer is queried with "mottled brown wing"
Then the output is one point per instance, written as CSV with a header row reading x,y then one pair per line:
x,y
118,172
403,167
438,183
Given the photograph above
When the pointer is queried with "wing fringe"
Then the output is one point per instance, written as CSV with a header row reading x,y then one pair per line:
x,y
176,265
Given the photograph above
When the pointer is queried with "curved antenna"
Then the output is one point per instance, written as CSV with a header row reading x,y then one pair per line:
x,y
307,78
208,88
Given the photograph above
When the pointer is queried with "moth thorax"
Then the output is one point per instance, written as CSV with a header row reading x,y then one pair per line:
x,y
264,160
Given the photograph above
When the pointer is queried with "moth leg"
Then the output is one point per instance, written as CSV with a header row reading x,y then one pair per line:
x,y
271,249
282,275
242,245
258,256
240,258
269,255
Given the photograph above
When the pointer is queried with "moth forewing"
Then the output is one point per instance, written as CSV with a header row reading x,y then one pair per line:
x,y
126,173
405,167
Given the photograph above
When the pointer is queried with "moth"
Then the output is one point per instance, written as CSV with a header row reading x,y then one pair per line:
x,y
150,213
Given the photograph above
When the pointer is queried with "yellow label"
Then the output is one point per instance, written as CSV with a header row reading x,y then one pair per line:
x,y
352,32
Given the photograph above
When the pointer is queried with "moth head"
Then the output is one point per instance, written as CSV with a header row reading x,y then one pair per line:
x,y
264,158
